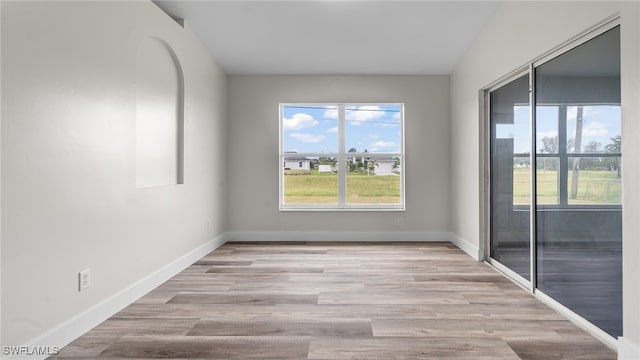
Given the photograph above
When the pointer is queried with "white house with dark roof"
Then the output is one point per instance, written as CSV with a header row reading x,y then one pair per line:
x,y
384,164
296,162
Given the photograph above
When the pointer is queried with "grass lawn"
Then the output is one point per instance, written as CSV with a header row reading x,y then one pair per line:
x,y
595,187
322,188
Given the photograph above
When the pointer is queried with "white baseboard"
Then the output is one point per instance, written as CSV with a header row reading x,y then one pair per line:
x,y
627,350
577,320
337,236
466,246
375,236
71,329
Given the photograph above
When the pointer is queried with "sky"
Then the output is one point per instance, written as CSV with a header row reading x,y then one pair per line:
x,y
314,128
600,123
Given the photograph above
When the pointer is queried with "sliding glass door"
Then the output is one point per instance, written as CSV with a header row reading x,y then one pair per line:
x,y
510,152
578,183
574,252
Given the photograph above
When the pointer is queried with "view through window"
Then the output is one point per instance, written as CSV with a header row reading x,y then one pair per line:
x,y
582,143
341,156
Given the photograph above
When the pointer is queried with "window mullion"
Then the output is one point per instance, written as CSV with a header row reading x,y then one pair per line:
x,y
342,163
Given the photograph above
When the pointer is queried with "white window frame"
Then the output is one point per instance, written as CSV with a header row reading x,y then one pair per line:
x,y
342,158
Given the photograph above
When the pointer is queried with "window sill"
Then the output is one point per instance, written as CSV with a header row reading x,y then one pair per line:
x,y
343,209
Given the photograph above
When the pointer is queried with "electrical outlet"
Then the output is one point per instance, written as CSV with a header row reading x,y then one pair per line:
x,y
84,279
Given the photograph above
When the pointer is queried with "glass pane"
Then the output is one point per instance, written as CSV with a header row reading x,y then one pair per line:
x,y
316,185
593,129
510,176
579,247
521,181
373,179
373,129
309,129
369,130
547,129
594,181
547,180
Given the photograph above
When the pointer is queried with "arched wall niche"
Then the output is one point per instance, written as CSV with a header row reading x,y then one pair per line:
x,y
159,115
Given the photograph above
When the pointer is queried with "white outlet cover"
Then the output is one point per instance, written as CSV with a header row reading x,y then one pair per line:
x,y
84,279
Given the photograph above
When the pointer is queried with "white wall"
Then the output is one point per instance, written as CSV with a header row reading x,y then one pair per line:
x,y
0,180
518,33
253,134
69,199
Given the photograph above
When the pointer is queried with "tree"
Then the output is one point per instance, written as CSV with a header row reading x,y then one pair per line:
x,y
371,165
592,163
592,147
616,148
577,143
333,162
396,162
522,162
549,146
329,161
570,145
352,163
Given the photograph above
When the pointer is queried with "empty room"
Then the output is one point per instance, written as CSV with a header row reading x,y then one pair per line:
x,y
320,179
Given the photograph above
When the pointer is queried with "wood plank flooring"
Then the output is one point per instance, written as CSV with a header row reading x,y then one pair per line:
x,y
337,301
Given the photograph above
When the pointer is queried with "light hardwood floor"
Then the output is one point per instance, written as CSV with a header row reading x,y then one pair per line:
x,y
338,301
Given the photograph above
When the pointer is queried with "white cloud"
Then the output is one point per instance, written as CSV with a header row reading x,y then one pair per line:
x,y
587,112
544,134
381,145
595,129
308,138
333,130
299,121
331,113
388,124
364,113
360,114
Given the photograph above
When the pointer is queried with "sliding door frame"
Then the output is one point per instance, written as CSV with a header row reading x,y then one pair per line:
x,y
485,168
487,164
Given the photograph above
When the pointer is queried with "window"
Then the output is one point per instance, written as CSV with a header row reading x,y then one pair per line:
x,y
578,155
348,156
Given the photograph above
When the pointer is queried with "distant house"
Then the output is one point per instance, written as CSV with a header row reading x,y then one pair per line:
x,y
385,165
296,162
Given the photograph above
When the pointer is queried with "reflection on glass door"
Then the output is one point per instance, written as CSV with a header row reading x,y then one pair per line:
x,y
578,184
576,257
510,151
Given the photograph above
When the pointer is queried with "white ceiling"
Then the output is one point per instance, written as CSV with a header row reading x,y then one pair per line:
x,y
334,37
